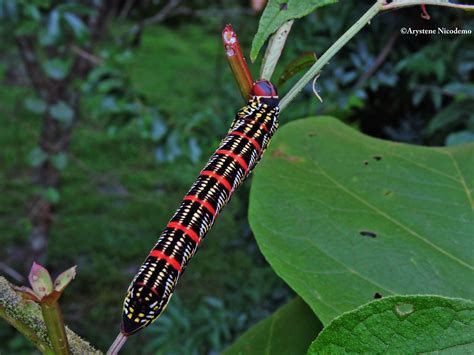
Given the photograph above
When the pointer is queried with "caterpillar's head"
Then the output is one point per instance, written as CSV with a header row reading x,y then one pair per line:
x,y
264,88
264,92
141,307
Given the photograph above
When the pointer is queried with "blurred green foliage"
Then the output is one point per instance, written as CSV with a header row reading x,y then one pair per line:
x,y
151,115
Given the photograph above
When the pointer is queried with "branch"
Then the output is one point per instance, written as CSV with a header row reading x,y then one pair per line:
x,y
26,318
379,60
405,3
29,57
162,14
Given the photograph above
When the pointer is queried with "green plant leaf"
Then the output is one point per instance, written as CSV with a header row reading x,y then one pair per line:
x,y
37,156
278,12
59,161
290,330
401,325
51,195
56,68
341,216
35,105
452,114
61,111
64,279
461,137
305,60
76,24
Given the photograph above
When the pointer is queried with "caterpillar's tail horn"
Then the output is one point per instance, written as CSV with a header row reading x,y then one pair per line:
x,y
117,344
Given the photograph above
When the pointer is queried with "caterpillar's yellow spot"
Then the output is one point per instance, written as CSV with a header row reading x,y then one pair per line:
x,y
136,320
141,315
129,316
130,309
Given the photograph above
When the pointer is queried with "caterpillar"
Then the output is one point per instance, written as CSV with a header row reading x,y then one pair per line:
x,y
234,159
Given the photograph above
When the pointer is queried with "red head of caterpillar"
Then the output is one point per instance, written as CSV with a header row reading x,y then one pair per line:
x,y
264,88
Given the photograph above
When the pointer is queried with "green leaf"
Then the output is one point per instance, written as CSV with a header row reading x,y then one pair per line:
x,y
35,105
64,279
461,137
462,89
59,161
51,195
341,216
76,24
452,114
61,111
401,325
37,157
53,30
290,330
300,63
56,68
278,12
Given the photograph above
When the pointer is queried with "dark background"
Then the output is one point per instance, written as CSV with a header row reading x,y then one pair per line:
x,y
103,132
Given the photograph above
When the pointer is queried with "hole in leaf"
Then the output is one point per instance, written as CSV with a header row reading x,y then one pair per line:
x,y
404,309
366,162
369,234
377,295
283,6
377,157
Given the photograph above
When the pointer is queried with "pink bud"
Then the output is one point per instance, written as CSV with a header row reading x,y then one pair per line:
x,y
40,280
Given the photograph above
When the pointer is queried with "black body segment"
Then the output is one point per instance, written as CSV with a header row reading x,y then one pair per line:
x,y
234,159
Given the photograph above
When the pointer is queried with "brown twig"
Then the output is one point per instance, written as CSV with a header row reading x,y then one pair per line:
x,y
379,60
237,61
86,55
8,270
162,14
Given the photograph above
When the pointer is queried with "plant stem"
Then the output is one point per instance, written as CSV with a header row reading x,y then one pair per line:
x,y
27,332
26,317
274,49
53,319
324,59
399,4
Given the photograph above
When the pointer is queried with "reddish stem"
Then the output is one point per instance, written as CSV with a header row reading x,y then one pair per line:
x,y
237,61
424,13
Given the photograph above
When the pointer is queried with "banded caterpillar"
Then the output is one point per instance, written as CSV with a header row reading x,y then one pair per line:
x,y
234,159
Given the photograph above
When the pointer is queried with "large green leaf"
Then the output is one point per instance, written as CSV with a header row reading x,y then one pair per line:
x,y
290,330
277,13
341,216
401,325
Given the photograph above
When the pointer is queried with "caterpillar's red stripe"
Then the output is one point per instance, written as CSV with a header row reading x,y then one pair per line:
x,y
250,139
234,156
202,202
220,179
170,260
189,232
